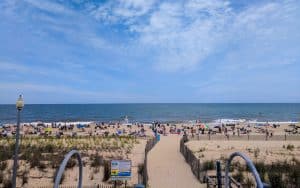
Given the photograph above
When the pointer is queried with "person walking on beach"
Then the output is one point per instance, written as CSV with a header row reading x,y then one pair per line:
x,y
267,133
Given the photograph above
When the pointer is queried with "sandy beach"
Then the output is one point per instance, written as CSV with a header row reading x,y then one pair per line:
x,y
166,165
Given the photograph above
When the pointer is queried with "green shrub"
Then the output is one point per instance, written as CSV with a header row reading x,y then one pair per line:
x,y
3,165
275,179
208,165
97,161
141,168
71,163
55,161
35,159
290,147
5,153
256,152
7,183
106,175
42,166
25,177
49,148
1,177
261,169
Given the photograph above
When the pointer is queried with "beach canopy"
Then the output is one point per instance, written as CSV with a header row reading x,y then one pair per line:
x,y
80,126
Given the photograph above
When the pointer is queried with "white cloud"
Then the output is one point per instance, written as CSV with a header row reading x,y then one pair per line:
x,y
49,6
184,34
55,33
124,10
266,36
181,34
183,37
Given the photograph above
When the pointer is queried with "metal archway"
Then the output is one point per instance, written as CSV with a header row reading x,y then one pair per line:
x,y
259,183
63,166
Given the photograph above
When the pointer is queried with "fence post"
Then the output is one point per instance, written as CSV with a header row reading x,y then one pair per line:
x,y
198,169
285,136
219,174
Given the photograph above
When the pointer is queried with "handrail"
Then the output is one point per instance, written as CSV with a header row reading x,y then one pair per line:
x,y
249,163
63,166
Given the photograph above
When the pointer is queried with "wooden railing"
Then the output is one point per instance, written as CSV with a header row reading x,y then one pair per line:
x,y
197,167
244,137
75,186
150,144
211,181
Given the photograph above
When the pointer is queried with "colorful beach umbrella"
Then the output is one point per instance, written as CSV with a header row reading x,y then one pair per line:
x,y
48,129
203,126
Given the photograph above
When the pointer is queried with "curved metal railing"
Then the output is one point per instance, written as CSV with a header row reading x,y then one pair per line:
x,y
63,166
259,183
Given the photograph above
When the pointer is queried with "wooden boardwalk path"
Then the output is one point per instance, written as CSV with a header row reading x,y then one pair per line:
x,y
167,167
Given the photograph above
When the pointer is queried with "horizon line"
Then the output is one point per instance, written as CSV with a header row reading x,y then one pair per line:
x,y
155,103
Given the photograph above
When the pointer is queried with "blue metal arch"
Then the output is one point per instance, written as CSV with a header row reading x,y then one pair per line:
x,y
63,166
249,163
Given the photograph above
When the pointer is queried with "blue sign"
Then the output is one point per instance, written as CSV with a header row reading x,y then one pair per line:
x,y
120,170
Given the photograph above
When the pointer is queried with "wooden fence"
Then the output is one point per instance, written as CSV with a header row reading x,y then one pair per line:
x,y
286,137
211,182
150,144
75,186
192,160
197,168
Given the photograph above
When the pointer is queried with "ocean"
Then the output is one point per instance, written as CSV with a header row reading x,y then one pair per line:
x,y
152,112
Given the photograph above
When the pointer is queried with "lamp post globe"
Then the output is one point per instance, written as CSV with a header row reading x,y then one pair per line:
x,y
20,103
19,106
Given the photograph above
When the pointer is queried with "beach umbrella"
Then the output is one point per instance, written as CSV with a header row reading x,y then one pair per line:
x,y
203,126
48,129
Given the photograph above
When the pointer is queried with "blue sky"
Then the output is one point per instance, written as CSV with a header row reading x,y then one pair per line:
x,y
150,51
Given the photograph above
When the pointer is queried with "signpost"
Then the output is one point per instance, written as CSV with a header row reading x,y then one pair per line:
x,y
120,170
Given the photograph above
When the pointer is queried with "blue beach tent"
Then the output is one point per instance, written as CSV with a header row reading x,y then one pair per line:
x,y
80,126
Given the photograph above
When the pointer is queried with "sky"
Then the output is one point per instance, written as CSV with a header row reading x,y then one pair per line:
x,y
151,51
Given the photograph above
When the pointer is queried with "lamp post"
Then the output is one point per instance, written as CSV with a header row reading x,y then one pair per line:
x,y
19,106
